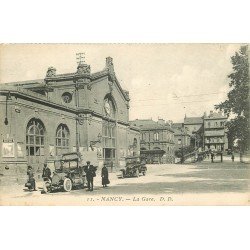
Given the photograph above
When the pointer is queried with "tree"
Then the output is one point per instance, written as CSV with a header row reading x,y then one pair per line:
x,y
238,103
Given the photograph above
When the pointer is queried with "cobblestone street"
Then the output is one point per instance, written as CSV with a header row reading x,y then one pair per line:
x,y
223,183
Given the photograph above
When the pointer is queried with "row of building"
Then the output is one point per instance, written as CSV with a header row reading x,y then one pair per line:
x,y
160,140
85,111
207,132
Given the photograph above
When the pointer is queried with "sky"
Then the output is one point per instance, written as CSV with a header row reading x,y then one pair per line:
x,y
164,80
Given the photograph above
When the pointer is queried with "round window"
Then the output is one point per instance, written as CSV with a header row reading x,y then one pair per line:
x,y
67,97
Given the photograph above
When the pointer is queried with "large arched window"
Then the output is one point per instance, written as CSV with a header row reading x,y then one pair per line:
x,y
109,106
62,139
35,133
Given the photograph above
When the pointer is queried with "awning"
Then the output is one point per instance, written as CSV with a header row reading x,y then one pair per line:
x,y
153,151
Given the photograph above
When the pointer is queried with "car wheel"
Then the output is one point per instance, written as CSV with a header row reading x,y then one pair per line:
x,y
45,186
144,173
137,173
122,175
67,185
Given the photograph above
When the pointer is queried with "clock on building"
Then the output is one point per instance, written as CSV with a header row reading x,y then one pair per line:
x,y
67,97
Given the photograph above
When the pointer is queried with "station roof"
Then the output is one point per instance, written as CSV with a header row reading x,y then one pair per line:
x,y
149,124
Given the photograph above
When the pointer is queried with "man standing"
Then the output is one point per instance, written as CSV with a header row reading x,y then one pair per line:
x,y
90,174
212,157
46,172
31,178
232,157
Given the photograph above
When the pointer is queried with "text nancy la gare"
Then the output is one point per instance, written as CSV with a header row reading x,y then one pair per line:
x,y
126,199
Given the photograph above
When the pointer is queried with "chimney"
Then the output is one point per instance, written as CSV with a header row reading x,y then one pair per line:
x,y
109,64
83,69
161,121
51,72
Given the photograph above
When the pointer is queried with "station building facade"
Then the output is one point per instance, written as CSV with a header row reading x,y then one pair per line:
x,y
79,111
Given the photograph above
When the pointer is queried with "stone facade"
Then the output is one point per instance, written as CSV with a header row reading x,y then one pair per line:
x,y
215,137
157,140
210,127
181,136
192,124
80,111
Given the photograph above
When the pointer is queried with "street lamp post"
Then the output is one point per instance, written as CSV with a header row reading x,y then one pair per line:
x,y
182,153
8,98
99,140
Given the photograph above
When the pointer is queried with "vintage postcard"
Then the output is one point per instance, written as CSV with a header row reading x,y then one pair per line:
x,y
124,124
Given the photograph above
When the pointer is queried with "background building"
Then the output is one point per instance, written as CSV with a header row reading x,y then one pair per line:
x,y
79,111
157,140
194,127
192,124
181,138
215,137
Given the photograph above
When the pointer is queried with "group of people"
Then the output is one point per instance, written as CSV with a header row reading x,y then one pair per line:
x,y
89,169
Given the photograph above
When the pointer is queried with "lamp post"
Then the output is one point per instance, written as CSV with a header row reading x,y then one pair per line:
x,y
182,153
8,98
99,140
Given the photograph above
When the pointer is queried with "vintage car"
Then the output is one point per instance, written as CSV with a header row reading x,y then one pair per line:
x,y
134,166
68,174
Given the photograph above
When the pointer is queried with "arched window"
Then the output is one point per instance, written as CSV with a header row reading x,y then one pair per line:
x,y
35,133
135,142
109,106
62,139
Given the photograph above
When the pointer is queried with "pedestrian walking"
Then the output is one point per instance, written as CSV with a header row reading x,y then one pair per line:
x,y
90,174
46,172
105,176
31,179
212,157
232,157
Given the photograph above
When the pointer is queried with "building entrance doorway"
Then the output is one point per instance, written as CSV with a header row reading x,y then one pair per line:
x,y
109,153
109,144
35,142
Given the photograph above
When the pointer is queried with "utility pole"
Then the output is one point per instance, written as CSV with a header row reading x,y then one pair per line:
x,y
77,118
80,58
182,153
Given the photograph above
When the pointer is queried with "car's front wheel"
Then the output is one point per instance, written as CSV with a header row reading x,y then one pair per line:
x,y
67,185
46,187
137,173
122,175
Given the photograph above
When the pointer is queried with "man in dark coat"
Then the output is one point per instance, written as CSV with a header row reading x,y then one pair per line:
x,y
90,174
232,157
31,178
46,172
105,176
212,157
